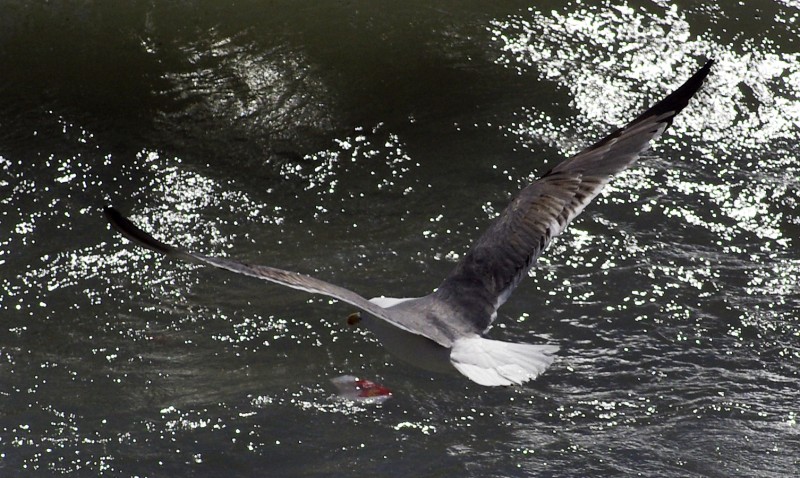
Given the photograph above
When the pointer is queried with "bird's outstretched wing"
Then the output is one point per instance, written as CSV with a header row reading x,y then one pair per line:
x,y
503,255
287,278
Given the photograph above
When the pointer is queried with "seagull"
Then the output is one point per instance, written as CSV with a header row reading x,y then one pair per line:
x,y
444,330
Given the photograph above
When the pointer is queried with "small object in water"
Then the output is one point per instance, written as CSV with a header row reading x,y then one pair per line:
x,y
360,389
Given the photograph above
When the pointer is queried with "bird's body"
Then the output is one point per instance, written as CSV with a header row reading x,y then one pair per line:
x,y
414,349
443,331
464,349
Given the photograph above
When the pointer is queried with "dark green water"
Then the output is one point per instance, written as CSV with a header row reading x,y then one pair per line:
x,y
368,143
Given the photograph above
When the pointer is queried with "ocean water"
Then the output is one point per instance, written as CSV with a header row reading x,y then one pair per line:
x,y
368,143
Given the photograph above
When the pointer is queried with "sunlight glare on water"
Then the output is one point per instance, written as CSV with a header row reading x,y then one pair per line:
x,y
726,141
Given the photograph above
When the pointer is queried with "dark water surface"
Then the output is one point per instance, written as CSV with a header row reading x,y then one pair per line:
x,y
368,143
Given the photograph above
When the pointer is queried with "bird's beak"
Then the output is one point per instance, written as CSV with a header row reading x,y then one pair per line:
x,y
353,319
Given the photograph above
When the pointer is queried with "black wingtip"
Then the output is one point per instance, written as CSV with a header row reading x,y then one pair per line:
x,y
672,104
133,233
678,99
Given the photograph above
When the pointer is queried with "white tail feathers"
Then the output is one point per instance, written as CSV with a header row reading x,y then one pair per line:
x,y
492,362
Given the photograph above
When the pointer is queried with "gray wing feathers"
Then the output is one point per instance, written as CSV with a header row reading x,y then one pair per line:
x,y
287,278
620,152
302,282
483,280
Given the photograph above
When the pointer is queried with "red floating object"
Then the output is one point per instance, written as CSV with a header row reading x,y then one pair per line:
x,y
360,389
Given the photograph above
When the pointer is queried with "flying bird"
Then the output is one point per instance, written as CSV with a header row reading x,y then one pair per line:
x,y
445,329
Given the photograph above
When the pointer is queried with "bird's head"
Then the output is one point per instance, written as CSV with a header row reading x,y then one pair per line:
x,y
353,319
